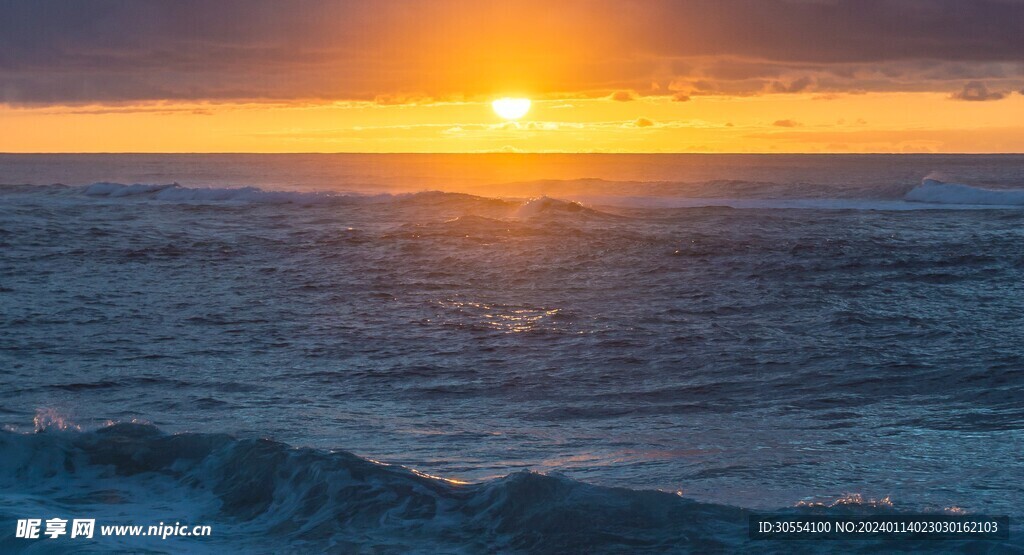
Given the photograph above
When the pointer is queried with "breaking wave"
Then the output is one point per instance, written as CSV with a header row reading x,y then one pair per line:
x,y
547,206
309,499
264,496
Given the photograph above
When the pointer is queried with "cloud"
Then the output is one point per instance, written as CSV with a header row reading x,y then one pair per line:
x,y
830,79
400,99
681,97
643,122
787,123
794,86
623,96
115,51
977,91
837,30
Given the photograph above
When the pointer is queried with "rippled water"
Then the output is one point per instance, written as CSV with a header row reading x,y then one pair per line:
x,y
828,337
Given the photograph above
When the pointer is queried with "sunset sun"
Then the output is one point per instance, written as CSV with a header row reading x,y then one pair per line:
x,y
511,108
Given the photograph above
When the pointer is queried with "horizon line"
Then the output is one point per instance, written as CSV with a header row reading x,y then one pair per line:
x,y
527,153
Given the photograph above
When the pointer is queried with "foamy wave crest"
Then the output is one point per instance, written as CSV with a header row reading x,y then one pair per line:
x,y
937,192
271,494
850,500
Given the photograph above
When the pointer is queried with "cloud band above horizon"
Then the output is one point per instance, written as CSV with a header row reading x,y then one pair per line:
x,y
117,51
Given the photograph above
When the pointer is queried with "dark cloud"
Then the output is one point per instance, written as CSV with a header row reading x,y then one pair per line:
x,y
787,123
977,91
838,30
681,97
732,69
109,51
623,96
643,122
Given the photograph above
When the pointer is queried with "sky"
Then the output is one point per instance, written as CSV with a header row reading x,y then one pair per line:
x,y
603,76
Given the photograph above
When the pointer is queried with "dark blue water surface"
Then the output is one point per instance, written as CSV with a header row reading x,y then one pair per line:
x,y
739,332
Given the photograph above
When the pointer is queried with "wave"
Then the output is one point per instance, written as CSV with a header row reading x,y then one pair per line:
x,y
530,209
260,495
174,192
583,198
547,206
934,191
178,193
310,499
521,209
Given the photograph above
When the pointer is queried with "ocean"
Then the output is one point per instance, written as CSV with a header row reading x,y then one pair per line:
x,y
508,352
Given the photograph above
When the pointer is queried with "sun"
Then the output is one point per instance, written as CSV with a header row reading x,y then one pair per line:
x,y
511,108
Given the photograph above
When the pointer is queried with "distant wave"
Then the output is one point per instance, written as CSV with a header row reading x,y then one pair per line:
x,y
178,193
576,201
523,209
174,192
528,209
546,206
937,192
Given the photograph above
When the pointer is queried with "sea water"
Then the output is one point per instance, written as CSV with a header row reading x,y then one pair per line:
x,y
473,353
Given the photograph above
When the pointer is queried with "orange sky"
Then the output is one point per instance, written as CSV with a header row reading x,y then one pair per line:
x,y
405,76
877,122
